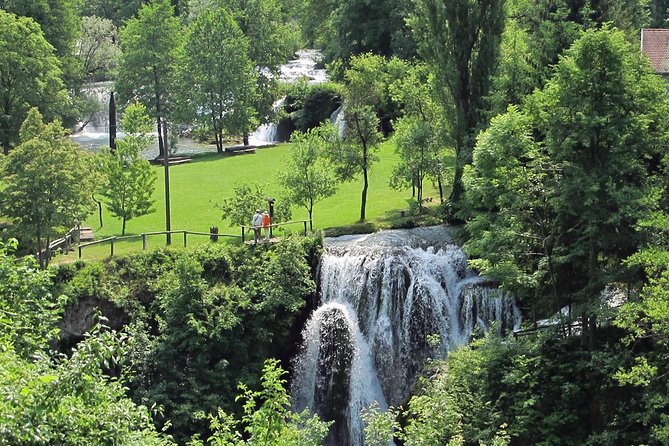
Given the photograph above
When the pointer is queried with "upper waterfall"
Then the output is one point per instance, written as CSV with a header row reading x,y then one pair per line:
x,y
383,298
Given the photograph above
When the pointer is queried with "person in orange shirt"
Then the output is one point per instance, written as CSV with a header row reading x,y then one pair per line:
x,y
266,221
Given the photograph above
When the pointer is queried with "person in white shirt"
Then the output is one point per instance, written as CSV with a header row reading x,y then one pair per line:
x,y
256,221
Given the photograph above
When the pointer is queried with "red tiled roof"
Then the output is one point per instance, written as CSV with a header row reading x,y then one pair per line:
x,y
655,44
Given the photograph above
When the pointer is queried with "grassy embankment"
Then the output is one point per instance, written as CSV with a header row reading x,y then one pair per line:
x,y
197,186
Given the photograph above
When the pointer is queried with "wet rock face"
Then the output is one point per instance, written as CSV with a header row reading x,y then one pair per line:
x,y
333,380
382,296
79,318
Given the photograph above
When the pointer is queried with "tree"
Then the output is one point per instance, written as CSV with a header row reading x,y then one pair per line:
x,y
459,40
48,181
129,179
118,11
306,177
150,44
97,48
217,62
508,191
353,154
30,76
566,181
60,22
349,28
419,134
28,311
267,417
271,42
245,199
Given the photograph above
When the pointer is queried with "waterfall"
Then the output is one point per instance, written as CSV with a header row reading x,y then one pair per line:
x,y
267,133
304,66
337,119
381,297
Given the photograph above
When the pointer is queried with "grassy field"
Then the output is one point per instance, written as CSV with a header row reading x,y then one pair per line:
x,y
197,186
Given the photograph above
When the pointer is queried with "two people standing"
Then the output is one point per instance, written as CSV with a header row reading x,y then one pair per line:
x,y
260,220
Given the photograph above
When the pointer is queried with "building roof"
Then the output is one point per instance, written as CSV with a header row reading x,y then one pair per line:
x,y
655,44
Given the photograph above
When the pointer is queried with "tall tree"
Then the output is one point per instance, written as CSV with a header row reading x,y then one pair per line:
x,y
419,134
217,62
459,39
129,179
348,28
567,181
48,182
307,177
271,42
59,21
30,76
354,153
150,44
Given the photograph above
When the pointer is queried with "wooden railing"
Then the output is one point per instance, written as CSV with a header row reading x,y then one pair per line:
x,y
64,243
249,229
144,237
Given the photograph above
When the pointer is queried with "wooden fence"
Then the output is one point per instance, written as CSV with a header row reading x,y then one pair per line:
x,y
64,244
213,235
144,237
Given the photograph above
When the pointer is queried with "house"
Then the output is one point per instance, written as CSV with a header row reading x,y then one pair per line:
x,y
655,44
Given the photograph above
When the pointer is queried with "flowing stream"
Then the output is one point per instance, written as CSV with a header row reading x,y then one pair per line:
x,y
381,296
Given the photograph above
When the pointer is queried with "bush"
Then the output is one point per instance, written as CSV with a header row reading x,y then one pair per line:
x,y
308,105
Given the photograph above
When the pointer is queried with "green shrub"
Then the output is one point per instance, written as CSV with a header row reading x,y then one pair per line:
x,y
310,104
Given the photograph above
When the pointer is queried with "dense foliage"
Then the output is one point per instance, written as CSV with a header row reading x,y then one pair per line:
x,y
200,322
65,400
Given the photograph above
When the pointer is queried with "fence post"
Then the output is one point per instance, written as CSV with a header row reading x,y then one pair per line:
x,y
144,245
79,246
185,234
111,253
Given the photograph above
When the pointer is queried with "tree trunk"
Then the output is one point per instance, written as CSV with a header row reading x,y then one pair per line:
x,y
441,190
47,257
458,189
99,203
40,255
112,124
161,146
419,188
123,228
245,139
363,203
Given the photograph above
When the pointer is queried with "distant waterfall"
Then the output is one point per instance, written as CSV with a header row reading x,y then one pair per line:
x,y
381,296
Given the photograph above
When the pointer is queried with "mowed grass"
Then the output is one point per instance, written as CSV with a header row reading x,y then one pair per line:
x,y
196,187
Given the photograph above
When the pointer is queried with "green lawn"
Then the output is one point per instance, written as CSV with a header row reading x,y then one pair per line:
x,y
197,186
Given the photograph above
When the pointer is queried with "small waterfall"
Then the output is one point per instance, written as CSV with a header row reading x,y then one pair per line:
x,y
267,133
304,66
337,119
96,129
381,297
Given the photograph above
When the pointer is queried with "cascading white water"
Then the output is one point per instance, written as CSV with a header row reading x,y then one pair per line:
x,y
337,119
381,297
266,133
303,67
